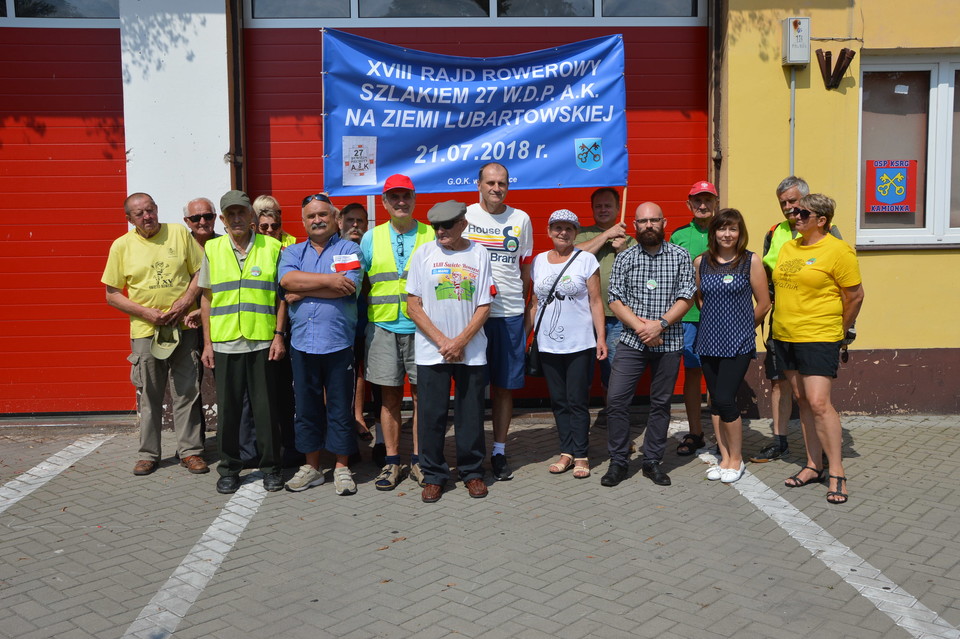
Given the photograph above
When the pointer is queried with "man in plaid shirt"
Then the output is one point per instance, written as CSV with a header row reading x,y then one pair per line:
x,y
651,288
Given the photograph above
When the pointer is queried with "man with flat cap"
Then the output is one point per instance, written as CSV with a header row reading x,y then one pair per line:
x,y
449,290
243,327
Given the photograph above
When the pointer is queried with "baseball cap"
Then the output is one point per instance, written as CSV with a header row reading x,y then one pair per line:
x,y
563,215
398,181
165,341
232,198
702,187
446,211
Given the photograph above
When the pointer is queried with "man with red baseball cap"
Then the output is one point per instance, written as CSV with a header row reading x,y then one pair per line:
x,y
390,356
702,202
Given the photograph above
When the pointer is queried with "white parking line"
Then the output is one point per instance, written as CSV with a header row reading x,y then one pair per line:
x,y
161,616
888,597
16,489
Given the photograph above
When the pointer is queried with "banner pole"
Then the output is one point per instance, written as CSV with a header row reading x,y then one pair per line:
x,y
623,205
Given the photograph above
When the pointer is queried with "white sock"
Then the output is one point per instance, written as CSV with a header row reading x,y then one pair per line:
x,y
499,448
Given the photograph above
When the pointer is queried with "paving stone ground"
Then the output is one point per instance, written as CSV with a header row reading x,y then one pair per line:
x,y
541,556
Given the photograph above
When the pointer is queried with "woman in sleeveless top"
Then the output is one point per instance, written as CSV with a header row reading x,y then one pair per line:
x,y
729,280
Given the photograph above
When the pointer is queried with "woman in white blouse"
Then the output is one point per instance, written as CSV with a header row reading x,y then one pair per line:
x,y
571,336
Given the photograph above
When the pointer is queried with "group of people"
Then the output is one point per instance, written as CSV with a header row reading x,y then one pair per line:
x,y
456,300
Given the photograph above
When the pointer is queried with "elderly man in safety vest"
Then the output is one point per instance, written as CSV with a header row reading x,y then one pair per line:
x,y
390,334
243,322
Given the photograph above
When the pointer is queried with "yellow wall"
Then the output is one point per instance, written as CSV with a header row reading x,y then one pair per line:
x,y
912,297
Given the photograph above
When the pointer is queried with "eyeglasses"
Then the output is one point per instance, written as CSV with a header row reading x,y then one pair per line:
x,y
269,226
319,197
804,214
446,226
399,245
652,220
205,216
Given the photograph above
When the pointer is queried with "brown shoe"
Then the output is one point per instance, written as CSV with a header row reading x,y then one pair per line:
x,y
431,493
144,467
195,464
476,487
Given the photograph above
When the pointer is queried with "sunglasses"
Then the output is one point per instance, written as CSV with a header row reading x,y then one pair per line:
x,y
269,226
205,216
446,226
319,197
804,214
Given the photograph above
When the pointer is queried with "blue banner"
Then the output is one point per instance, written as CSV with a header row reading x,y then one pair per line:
x,y
555,118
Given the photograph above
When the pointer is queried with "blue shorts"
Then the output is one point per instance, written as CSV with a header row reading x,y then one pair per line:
x,y
690,359
506,342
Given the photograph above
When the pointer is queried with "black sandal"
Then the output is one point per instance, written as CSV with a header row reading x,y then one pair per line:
x,y
690,444
841,497
797,482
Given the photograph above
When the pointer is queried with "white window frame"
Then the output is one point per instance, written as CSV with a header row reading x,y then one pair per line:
x,y
55,23
936,231
492,21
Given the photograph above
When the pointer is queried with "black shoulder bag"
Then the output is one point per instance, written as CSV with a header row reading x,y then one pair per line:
x,y
533,368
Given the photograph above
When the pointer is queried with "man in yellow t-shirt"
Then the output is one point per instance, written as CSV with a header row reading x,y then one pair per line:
x,y
157,265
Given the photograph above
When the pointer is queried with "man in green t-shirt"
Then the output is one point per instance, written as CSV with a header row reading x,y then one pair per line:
x,y
702,202
605,238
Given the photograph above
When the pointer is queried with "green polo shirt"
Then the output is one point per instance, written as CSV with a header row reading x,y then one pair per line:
x,y
694,239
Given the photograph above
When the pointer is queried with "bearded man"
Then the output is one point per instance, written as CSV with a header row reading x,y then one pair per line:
x,y
651,288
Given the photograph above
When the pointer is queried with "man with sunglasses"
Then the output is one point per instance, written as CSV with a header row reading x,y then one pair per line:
x,y
390,355
449,293
157,264
789,192
199,216
324,274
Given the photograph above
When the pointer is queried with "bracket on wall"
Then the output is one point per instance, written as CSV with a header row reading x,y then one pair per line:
x,y
831,79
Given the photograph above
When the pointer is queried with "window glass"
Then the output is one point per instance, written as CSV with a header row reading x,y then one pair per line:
x,y
895,107
301,8
3,9
67,9
652,8
424,8
545,8
955,155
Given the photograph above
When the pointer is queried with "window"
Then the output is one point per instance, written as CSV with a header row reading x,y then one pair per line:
x,y
66,9
302,9
667,8
424,8
545,8
910,153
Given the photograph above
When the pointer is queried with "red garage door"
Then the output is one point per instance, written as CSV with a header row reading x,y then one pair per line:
x,y
62,179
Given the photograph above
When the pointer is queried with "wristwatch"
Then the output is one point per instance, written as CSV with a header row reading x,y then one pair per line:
x,y
664,323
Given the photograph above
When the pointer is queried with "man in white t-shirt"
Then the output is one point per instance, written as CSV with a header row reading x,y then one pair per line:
x,y
507,235
449,291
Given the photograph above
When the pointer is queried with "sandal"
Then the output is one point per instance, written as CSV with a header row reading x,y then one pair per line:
x,y
581,468
562,466
690,444
794,481
839,496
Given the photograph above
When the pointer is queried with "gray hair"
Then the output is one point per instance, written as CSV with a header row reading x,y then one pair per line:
x,y
186,207
793,181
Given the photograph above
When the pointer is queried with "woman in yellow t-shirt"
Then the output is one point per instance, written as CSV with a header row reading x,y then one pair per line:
x,y
819,294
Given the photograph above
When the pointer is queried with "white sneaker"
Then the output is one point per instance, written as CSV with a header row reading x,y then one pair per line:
x,y
343,481
730,475
714,473
306,477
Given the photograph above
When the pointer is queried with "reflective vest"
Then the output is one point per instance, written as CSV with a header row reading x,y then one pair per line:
x,y
388,288
243,304
780,234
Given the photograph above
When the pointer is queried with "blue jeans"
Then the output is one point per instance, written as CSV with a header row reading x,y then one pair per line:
x,y
613,329
324,424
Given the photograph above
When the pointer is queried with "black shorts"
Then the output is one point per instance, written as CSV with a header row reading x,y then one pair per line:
x,y
808,358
